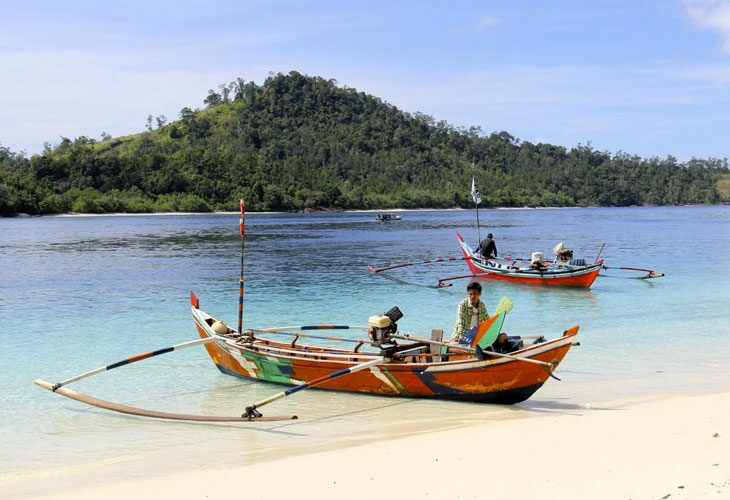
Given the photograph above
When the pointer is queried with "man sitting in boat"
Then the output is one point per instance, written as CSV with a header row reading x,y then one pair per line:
x,y
537,262
487,248
470,312
563,254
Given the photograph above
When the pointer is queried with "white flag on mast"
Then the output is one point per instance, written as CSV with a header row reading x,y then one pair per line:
x,y
474,192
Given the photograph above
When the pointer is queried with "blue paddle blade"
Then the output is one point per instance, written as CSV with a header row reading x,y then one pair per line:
x,y
478,331
469,336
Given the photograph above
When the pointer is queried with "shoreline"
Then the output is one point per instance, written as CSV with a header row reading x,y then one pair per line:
x,y
673,447
352,211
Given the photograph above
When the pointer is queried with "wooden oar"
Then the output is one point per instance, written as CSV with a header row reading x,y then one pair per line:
x,y
252,412
134,359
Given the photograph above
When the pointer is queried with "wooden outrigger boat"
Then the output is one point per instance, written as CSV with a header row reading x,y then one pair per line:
x,y
555,273
411,369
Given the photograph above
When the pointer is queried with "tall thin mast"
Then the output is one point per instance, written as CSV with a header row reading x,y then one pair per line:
x,y
241,228
477,200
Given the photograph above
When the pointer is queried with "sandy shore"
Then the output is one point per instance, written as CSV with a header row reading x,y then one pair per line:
x,y
665,449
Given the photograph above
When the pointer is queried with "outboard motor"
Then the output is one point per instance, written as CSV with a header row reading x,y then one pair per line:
x,y
382,327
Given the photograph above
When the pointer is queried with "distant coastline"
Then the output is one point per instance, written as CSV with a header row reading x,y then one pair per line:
x,y
321,211
353,211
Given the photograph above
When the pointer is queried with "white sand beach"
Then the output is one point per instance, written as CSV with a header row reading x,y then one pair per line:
x,y
674,448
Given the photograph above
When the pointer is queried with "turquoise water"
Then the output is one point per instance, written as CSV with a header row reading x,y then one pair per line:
x,y
83,292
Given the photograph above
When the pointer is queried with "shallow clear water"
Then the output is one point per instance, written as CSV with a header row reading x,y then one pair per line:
x,y
79,293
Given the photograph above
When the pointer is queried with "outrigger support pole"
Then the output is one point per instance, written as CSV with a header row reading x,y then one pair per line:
x,y
133,359
252,413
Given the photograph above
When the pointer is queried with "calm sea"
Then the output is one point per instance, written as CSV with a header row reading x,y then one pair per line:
x,y
77,293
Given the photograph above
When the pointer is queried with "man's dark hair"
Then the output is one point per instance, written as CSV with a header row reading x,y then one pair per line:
x,y
489,235
474,286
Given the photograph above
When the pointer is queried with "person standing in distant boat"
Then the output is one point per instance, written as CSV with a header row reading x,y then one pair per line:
x,y
470,312
487,248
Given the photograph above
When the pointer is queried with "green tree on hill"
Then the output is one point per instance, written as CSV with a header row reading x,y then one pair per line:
x,y
298,142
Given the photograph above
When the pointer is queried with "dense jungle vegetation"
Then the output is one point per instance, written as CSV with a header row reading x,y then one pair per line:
x,y
299,143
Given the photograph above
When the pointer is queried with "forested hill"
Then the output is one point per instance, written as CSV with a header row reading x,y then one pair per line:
x,y
299,142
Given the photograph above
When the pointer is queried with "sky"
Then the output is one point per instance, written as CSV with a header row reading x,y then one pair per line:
x,y
649,78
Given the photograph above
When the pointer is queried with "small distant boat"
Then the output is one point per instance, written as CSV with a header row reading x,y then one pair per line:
x,y
559,272
386,217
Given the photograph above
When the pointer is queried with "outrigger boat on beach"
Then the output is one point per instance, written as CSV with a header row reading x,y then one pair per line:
x,y
384,362
417,368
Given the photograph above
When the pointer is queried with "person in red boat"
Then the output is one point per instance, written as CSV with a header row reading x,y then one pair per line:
x,y
487,248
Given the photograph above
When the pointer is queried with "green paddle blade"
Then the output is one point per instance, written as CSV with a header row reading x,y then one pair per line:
x,y
490,334
504,305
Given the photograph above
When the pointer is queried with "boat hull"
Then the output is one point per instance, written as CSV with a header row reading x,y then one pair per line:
x,y
556,275
462,378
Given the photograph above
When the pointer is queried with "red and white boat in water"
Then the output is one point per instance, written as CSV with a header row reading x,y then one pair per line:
x,y
563,270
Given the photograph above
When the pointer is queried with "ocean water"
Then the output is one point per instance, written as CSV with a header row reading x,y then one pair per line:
x,y
77,293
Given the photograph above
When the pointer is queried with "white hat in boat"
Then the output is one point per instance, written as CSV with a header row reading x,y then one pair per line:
x,y
219,327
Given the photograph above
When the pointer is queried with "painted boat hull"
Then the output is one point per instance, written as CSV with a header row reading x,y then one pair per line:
x,y
556,275
462,378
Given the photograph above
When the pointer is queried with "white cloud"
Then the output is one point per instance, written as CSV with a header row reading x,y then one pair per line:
x,y
713,15
487,22
73,93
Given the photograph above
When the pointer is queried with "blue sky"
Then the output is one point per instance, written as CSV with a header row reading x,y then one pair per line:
x,y
650,78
